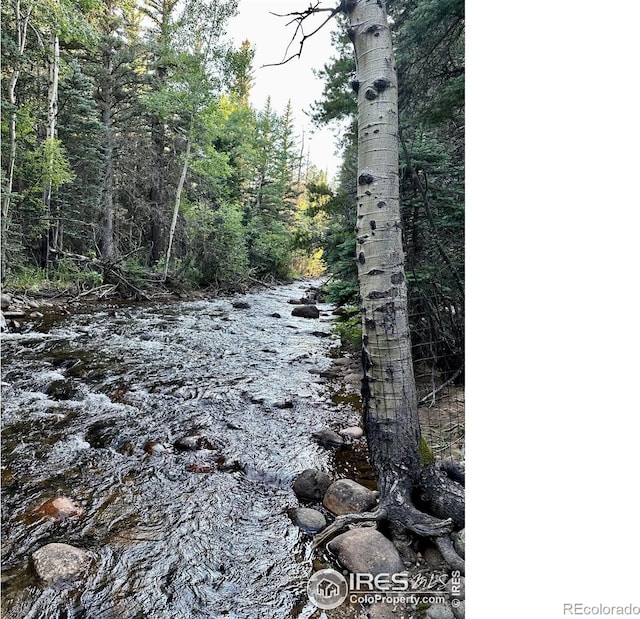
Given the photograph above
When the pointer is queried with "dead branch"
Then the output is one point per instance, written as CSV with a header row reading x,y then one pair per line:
x,y
299,18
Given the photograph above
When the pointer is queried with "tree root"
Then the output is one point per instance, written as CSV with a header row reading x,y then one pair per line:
x,y
448,552
407,516
343,522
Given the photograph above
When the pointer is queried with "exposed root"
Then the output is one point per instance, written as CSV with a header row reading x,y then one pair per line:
x,y
419,522
343,522
408,517
448,552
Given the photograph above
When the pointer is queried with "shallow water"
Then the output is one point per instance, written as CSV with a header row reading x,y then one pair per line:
x,y
82,398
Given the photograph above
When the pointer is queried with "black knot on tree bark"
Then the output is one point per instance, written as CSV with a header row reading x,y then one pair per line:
x,y
370,94
365,178
381,84
355,85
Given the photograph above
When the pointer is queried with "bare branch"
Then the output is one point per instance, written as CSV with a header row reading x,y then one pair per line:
x,y
299,18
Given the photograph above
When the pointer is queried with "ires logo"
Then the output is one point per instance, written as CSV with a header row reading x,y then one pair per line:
x,y
328,589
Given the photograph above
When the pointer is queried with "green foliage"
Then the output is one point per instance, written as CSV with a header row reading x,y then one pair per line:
x,y
217,253
27,278
270,247
341,292
50,164
349,328
71,273
425,452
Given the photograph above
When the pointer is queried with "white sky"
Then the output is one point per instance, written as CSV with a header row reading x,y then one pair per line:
x,y
293,81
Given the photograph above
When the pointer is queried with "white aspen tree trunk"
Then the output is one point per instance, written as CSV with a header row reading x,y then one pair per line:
x,y
389,385
52,117
176,206
22,24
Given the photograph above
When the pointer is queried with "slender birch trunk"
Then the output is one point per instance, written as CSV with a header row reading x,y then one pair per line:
x,y
176,206
22,24
50,236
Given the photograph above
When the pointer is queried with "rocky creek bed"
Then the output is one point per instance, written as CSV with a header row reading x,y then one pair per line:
x,y
153,457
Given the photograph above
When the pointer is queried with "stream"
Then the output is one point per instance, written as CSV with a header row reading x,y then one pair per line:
x,y
172,534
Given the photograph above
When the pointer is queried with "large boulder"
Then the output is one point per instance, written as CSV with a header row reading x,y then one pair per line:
x,y
308,520
58,563
366,551
311,485
306,311
346,496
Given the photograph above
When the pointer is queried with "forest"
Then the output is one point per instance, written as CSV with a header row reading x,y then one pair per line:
x,y
133,160
180,224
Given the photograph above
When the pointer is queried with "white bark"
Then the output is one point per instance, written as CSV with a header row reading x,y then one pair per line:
x,y
176,206
390,403
22,24
53,60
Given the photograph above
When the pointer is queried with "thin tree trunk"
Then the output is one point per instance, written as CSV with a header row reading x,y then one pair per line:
x,y
49,238
22,24
106,235
155,193
176,206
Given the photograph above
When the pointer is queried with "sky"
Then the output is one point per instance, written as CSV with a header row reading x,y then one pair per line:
x,y
293,81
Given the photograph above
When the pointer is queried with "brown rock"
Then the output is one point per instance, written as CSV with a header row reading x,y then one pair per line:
x,y
346,496
366,551
59,508
306,311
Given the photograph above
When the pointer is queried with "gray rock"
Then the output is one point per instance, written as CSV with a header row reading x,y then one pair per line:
x,y
354,378
458,611
343,361
240,305
346,496
193,443
458,542
353,432
459,593
383,610
365,550
311,485
328,438
439,611
306,311
308,520
433,559
3,322
5,301
58,563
